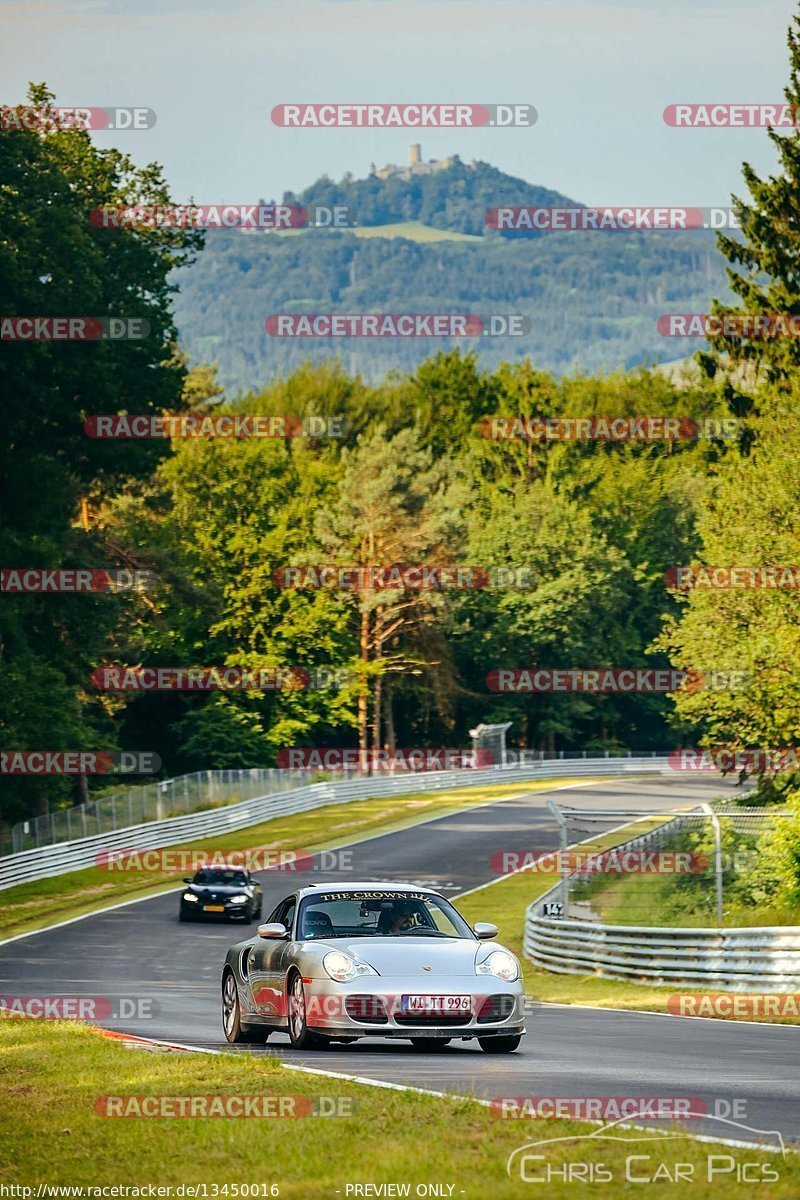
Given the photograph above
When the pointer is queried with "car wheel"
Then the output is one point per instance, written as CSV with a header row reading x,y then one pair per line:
x,y
301,1037
184,916
430,1043
235,1031
499,1045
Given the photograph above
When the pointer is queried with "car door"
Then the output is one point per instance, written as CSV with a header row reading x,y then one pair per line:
x,y
266,965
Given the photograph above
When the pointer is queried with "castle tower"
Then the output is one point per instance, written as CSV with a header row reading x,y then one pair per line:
x,y
415,153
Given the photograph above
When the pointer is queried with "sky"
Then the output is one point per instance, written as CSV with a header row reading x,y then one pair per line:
x,y
598,73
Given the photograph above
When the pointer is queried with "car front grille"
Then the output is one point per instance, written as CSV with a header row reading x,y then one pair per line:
x,y
433,1018
495,1008
370,1010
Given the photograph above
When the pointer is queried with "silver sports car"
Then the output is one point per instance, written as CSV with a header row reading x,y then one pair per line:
x,y
336,962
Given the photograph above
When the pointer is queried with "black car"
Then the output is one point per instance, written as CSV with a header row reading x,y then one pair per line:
x,y
219,892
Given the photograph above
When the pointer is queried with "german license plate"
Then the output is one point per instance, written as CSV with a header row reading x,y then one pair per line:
x,y
213,908
436,1004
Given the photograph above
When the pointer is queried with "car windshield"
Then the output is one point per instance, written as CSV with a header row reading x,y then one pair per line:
x,y
379,914
221,878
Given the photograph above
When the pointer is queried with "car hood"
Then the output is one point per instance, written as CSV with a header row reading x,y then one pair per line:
x,y
410,955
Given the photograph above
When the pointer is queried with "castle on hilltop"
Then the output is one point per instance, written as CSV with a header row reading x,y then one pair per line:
x,y
416,166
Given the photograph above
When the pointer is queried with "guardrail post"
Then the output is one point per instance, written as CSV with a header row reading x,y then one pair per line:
x,y
563,837
715,825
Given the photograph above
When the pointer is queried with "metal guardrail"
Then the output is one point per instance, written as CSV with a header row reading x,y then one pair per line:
x,y
120,808
762,958
155,801
75,855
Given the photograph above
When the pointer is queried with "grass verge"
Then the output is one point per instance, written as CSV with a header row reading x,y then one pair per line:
x,y
504,903
54,1135
31,906
675,900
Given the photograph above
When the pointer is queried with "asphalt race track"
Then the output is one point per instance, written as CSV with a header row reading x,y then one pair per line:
x,y
141,952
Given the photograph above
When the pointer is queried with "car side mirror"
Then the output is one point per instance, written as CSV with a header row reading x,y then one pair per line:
x,y
272,929
484,930
188,879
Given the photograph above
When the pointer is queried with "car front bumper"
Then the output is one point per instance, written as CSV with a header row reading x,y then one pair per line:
x,y
338,1009
195,911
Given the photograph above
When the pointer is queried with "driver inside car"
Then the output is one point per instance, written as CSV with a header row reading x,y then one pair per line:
x,y
404,915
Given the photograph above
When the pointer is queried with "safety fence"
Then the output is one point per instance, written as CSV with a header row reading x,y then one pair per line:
x,y
156,801
73,855
561,937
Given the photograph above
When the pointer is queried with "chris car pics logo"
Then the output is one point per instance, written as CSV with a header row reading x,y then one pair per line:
x,y
653,1157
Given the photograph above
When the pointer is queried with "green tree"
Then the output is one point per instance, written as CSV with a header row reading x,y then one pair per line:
x,y
752,518
396,505
764,271
55,262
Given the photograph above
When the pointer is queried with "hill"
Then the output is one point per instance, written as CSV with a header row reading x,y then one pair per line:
x,y
592,299
455,198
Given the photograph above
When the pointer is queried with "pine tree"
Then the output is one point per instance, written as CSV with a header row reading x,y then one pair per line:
x,y
765,264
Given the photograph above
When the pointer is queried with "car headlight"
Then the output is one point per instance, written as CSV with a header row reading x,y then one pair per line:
x,y
343,968
238,899
190,896
500,964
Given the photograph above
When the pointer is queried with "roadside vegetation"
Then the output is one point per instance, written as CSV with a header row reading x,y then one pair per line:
x,y
64,1139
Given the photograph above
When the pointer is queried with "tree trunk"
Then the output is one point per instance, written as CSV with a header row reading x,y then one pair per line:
x,y
388,715
377,701
363,693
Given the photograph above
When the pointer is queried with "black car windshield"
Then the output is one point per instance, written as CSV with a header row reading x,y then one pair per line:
x,y
379,914
221,878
